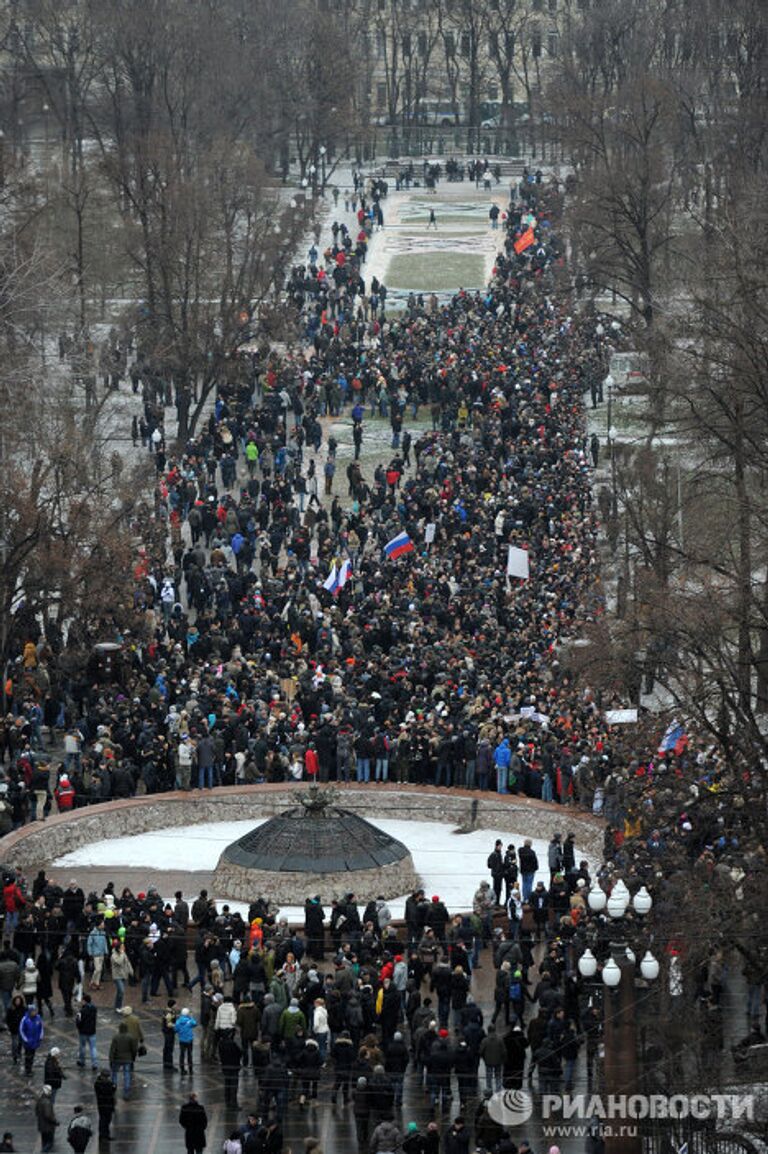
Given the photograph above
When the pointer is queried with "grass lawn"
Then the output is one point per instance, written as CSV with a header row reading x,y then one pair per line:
x,y
435,270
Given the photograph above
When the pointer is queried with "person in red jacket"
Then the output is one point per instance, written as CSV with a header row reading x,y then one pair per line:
x,y
64,794
311,763
13,904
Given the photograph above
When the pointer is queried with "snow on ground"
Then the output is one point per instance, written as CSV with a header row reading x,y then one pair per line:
x,y
449,864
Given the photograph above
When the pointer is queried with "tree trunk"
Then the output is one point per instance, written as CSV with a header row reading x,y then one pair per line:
x,y
744,664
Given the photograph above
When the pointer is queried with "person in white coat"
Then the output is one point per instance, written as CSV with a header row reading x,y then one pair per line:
x,y
515,912
320,1028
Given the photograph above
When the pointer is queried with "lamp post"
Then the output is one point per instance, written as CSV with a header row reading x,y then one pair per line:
x,y
46,110
620,1021
322,150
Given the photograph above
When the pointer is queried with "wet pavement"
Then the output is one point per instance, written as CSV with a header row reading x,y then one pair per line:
x,y
148,1122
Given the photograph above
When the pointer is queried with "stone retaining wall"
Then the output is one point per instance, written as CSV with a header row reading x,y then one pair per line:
x,y
291,888
37,845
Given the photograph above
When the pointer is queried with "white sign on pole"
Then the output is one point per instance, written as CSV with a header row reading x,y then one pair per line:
x,y
517,562
621,716
429,533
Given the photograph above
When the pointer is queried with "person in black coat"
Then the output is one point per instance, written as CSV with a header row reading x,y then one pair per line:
x,y
516,1045
343,1055
540,906
308,1066
396,1059
361,1107
106,1092
389,1017
457,1139
69,974
437,918
231,1057
193,1121
314,929
465,1063
495,864
273,1085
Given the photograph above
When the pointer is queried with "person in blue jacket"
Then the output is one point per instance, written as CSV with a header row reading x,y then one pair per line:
x,y
31,1032
185,1031
502,755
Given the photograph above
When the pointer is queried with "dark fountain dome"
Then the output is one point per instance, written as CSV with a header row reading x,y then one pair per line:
x,y
319,843
315,844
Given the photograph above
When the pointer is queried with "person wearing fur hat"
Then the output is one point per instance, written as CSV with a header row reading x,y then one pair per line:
x,y
45,1116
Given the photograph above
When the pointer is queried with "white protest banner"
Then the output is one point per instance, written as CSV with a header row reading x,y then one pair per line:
x,y
621,716
517,562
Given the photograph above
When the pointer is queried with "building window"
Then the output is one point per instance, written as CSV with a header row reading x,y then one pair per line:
x,y
538,5
553,44
553,7
406,44
466,44
493,43
450,44
423,44
509,44
381,94
536,43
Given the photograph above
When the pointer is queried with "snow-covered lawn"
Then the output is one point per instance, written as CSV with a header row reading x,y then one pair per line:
x,y
451,865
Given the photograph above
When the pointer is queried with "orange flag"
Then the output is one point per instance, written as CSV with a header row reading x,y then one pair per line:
x,y
525,241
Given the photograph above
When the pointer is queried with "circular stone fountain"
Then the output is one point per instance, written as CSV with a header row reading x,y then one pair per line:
x,y
315,847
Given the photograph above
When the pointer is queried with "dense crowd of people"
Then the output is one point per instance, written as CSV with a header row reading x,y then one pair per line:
x,y
244,668
349,1008
248,663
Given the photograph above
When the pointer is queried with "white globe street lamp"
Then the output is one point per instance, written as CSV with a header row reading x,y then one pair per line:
x,y
611,974
649,967
587,964
642,902
620,888
597,899
617,904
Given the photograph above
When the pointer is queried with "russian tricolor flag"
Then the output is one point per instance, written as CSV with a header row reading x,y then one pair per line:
x,y
345,572
338,577
400,544
674,740
331,582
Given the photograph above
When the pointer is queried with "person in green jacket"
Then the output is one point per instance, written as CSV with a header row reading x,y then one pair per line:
x,y
291,1019
122,1054
252,457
